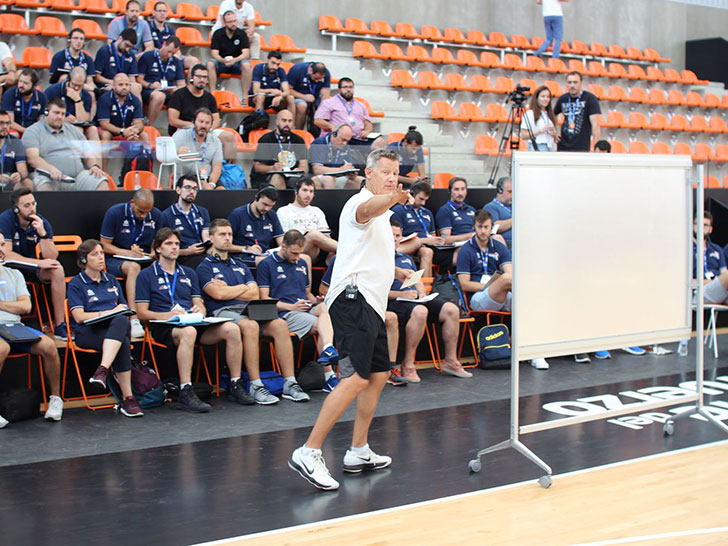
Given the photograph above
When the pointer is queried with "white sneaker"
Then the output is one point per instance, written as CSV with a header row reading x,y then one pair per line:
x,y
355,463
55,408
540,364
312,468
137,330
3,422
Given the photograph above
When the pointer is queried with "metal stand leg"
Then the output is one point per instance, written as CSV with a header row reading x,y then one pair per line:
x,y
669,426
544,481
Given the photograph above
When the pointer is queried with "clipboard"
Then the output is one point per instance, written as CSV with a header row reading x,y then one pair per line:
x,y
107,316
413,280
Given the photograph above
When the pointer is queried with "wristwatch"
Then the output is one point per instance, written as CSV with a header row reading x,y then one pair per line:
x,y
121,132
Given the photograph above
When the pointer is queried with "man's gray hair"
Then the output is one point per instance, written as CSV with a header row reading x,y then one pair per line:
x,y
382,153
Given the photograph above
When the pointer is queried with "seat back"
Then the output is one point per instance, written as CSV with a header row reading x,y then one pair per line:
x,y
166,151
442,180
133,180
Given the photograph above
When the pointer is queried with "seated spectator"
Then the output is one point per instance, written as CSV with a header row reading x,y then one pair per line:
x,y
117,57
131,20
286,276
411,157
230,50
185,102
246,21
345,109
485,271
331,154
310,84
79,102
279,150
416,218
128,229
715,273
413,318
8,70
199,139
500,208
301,215
13,167
23,230
255,226
160,73
191,221
161,30
74,55
541,120
455,218
166,289
603,147
24,102
58,149
227,287
15,301
93,293
120,115
270,86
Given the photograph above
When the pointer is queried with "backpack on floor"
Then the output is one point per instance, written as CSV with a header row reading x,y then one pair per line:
x,y
136,158
311,377
256,120
271,380
20,404
494,347
232,176
202,390
145,386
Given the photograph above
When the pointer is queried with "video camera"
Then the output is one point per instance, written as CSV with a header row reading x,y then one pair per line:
x,y
518,95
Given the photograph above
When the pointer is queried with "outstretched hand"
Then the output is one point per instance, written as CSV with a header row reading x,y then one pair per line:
x,y
402,196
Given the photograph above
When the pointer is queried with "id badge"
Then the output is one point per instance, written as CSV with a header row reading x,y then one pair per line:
x,y
485,279
709,275
572,127
178,307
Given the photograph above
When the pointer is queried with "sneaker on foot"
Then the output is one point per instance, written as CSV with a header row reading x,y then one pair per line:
x,y
137,330
602,355
410,374
330,383
355,463
131,408
293,391
3,422
396,379
327,355
100,377
637,351
60,331
540,364
582,358
236,393
55,408
189,401
261,395
312,468
458,371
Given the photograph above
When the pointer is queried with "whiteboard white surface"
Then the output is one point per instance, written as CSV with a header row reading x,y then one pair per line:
x,y
601,251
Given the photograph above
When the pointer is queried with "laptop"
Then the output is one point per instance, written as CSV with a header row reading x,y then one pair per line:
x,y
262,309
16,332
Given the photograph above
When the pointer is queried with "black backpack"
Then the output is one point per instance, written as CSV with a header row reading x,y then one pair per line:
x,y
256,120
138,160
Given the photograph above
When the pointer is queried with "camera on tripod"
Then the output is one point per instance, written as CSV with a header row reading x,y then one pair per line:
x,y
518,95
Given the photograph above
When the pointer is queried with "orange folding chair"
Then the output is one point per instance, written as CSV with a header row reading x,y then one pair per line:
x,y
133,180
49,26
90,28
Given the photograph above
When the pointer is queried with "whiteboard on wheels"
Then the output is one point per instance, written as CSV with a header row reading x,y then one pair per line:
x,y
601,251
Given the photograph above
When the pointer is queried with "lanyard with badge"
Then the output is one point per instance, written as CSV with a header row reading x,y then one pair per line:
x,y
349,109
193,221
70,61
5,147
132,221
163,69
123,111
572,112
203,148
422,220
333,160
707,274
23,113
112,48
171,287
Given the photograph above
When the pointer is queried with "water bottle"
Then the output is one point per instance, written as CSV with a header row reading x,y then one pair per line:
x,y
682,349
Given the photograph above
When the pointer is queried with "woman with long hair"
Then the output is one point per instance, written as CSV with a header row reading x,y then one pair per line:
x,y
541,120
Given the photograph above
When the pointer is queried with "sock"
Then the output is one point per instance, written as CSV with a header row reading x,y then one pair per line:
x,y
234,380
291,379
257,382
309,450
363,450
328,375
183,385
327,346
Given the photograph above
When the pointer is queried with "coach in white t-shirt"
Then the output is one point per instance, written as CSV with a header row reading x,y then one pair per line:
x,y
8,75
357,302
553,20
308,219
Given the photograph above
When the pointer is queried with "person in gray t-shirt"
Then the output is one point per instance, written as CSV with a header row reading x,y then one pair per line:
x,y
61,151
199,139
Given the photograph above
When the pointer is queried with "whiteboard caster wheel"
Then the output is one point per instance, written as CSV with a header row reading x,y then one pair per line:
x,y
668,429
545,481
474,465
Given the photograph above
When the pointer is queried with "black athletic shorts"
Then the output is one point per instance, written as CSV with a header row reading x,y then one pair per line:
x,y
360,336
403,310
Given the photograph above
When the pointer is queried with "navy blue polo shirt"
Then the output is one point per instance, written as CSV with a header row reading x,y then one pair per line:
x,y
408,163
25,114
267,79
190,226
299,80
63,59
160,36
24,240
110,108
154,285
59,90
471,258
124,229
286,281
91,296
154,69
458,218
499,212
109,62
250,230
322,152
420,221
12,152
713,261
232,271
403,261
326,279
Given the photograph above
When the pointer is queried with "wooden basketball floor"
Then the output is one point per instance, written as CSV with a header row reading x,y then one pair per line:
x,y
679,498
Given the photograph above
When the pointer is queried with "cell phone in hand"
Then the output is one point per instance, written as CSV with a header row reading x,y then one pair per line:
x,y
205,244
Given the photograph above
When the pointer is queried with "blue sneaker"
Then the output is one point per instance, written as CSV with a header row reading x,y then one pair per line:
x,y
602,355
637,351
327,355
331,383
60,332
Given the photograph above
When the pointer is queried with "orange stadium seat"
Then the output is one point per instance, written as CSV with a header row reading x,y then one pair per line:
x,y
597,90
366,50
672,75
519,41
698,124
536,64
678,122
49,26
393,52
94,6
153,133
456,36
694,100
190,36
471,112
554,87
189,12
721,153
356,26
636,121
486,145
617,93
702,153
432,33
511,61
29,4
597,70
490,60
91,29
637,94
441,55
616,70
394,137
717,125
634,54
675,98
618,147
133,180
682,149
579,48
119,6
383,28
498,39
305,135
407,30
419,54
444,111
578,66
614,120
403,79
636,72
285,44
661,148
712,182
429,80
482,83
495,113
36,57
712,100
531,84
456,82
504,84
656,97
442,180
227,101
616,51
689,77
654,56
654,74
557,65
240,145
260,22
62,5
538,41
371,112
212,11
12,23
598,50
148,9
724,101
477,37
468,58
328,23
638,147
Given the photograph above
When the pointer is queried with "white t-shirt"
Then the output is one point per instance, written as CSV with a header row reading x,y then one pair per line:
x,y
552,8
245,13
303,219
5,51
543,122
12,287
365,255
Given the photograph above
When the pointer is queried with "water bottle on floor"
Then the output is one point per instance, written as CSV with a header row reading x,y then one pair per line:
x,y
682,349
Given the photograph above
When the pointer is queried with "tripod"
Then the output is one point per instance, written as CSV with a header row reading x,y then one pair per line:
x,y
512,134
